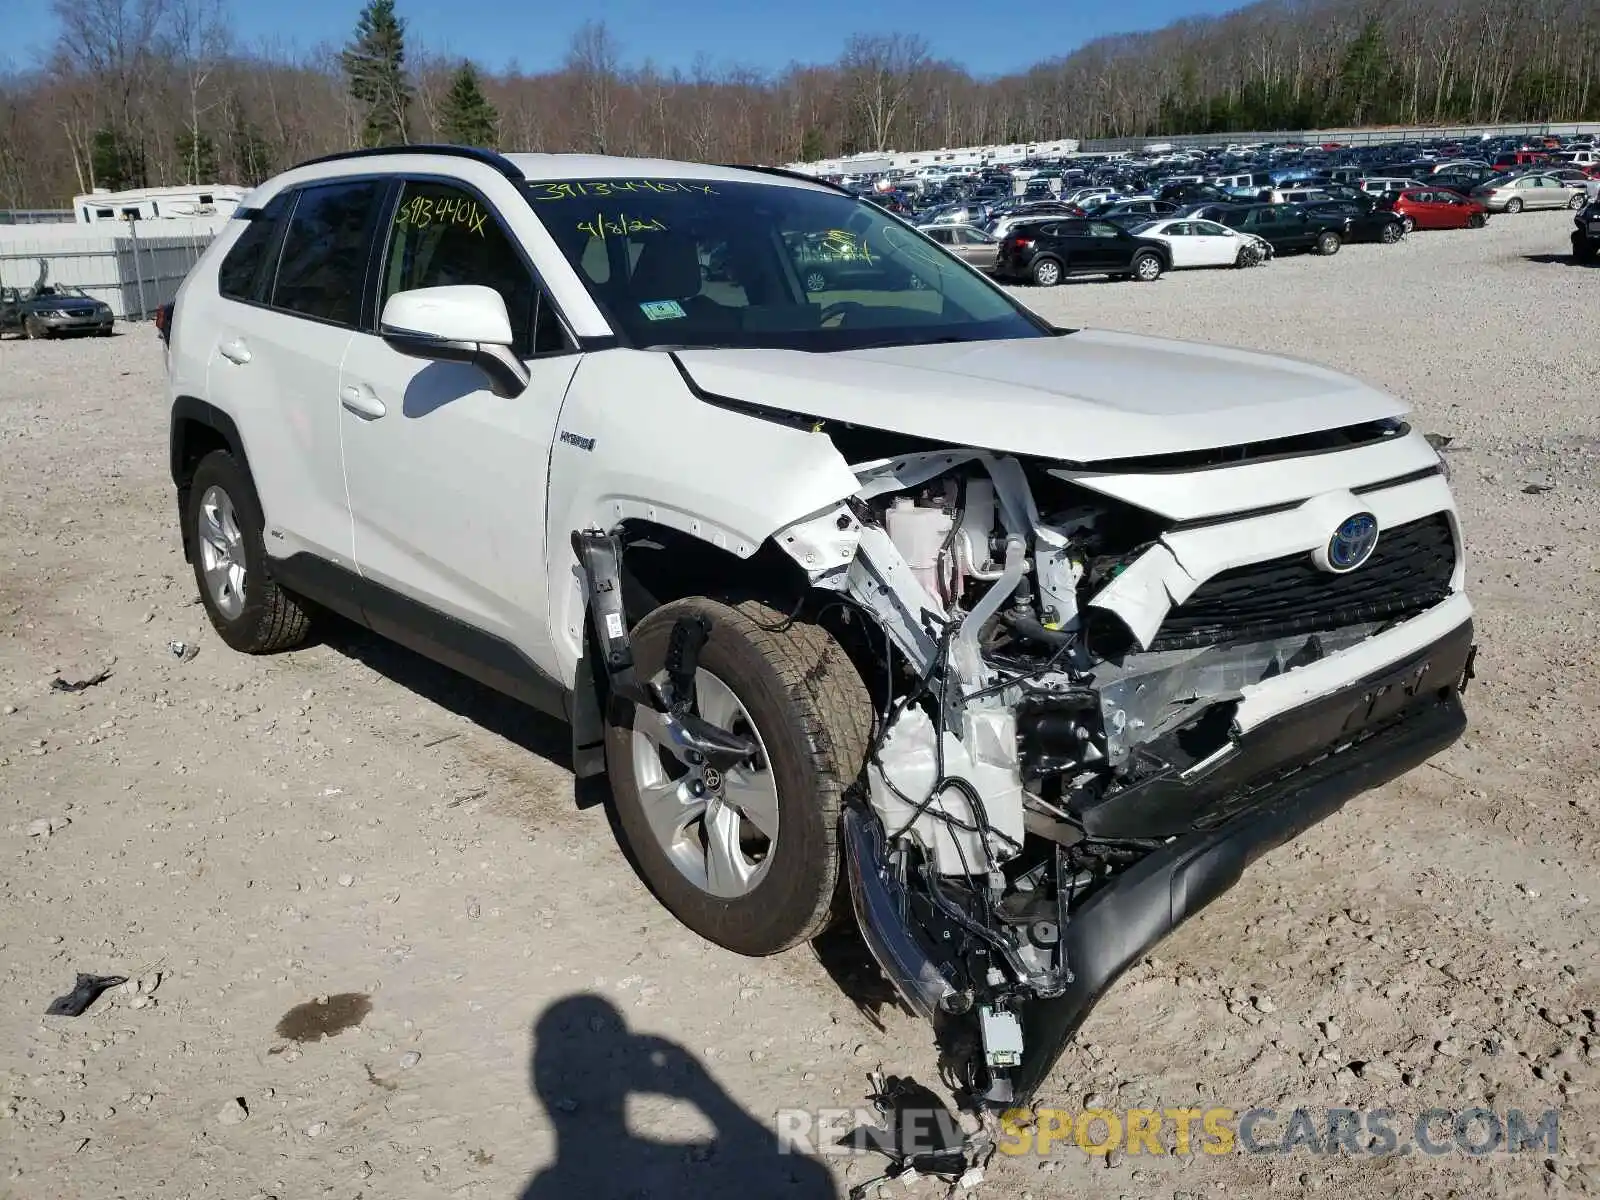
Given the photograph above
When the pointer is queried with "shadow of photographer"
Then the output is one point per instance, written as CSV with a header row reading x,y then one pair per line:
x,y
586,1063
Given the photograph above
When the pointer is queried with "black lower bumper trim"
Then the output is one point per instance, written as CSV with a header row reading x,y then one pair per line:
x,y
1118,924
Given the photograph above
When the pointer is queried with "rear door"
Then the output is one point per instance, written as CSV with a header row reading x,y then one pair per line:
x,y
291,288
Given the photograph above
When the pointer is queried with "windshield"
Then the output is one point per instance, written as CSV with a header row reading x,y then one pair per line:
x,y
698,263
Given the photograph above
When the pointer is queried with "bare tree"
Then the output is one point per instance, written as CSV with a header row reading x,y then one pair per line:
x,y
879,70
197,42
592,61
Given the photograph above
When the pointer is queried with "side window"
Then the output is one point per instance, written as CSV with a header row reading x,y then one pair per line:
x,y
323,267
943,236
442,235
244,270
1103,229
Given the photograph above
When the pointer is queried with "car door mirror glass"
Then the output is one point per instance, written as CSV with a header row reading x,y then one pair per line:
x,y
464,323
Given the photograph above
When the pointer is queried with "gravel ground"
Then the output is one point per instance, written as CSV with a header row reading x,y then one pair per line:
x,y
349,841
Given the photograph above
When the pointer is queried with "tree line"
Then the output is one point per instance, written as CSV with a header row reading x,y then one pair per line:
x,y
152,92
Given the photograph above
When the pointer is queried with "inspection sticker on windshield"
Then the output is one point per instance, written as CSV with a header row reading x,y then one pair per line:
x,y
662,310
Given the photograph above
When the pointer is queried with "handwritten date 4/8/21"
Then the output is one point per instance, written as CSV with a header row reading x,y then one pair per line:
x,y
571,189
619,225
422,211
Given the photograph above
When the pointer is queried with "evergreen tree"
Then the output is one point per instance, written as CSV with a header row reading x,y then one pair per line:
x,y
198,156
249,153
375,66
116,161
466,117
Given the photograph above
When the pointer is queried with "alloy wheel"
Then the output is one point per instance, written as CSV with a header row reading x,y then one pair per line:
x,y
221,545
718,828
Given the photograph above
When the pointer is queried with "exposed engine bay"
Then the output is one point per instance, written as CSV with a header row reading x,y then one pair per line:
x,y
1042,730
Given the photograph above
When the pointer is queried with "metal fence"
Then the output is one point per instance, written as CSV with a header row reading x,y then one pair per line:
x,y
1346,137
135,267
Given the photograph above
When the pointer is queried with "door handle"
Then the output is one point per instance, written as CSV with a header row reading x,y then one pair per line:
x,y
235,351
362,402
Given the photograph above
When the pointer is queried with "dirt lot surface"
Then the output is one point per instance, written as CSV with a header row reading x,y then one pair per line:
x,y
352,825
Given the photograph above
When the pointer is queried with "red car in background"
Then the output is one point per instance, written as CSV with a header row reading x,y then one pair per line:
x,y
1521,160
1422,208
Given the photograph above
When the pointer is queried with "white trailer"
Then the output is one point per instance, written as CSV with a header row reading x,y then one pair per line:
x,y
158,204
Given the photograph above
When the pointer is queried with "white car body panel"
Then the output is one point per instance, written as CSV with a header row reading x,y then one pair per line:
x,y
1263,701
1083,397
1262,484
737,479
1186,558
445,490
1220,249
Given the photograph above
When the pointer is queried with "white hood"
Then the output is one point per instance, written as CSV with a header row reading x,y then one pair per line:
x,y
1080,398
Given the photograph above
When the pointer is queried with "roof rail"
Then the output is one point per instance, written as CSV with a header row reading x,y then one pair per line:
x,y
786,173
488,158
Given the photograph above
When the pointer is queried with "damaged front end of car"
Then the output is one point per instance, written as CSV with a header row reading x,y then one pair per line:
x,y
1094,717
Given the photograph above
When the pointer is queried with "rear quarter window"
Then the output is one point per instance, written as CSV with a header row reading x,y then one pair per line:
x,y
244,270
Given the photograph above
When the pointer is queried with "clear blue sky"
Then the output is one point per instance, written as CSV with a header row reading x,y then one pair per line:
x,y
988,40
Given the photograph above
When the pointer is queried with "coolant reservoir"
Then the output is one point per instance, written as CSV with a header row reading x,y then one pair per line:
x,y
919,534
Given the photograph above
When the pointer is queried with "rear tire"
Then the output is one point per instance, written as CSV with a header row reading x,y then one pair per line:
x,y
1514,205
249,611
1328,244
1046,272
810,712
1577,202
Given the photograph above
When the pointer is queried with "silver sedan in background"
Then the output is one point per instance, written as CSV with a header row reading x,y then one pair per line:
x,y
1512,195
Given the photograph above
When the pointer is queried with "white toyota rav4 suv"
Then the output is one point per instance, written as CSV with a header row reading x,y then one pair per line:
x,y
1018,642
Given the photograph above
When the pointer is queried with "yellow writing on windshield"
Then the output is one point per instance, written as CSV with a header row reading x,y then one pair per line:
x,y
571,189
845,244
619,225
420,212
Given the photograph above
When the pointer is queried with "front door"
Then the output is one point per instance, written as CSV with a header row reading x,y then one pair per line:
x,y
447,480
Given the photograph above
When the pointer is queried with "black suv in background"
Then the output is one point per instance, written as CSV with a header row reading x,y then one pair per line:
x,y
1047,254
1586,233
1285,226
1360,220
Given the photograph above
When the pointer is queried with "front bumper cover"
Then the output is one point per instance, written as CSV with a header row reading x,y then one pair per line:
x,y
1377,729
1287,775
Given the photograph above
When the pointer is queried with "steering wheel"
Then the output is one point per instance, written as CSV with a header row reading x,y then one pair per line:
x,y
839,309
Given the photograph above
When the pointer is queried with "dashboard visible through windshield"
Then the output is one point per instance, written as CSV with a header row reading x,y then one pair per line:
x,y
697,263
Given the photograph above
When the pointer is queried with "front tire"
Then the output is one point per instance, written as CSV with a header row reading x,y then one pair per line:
x,y
1328,244
1584,251
1392,233
34,330
1147,267
1477,221
749,860
249,611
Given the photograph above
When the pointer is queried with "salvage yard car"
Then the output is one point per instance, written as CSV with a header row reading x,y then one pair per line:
x,y
1586,233
1196,243
1512,195
1018,643
1045,254
48,310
